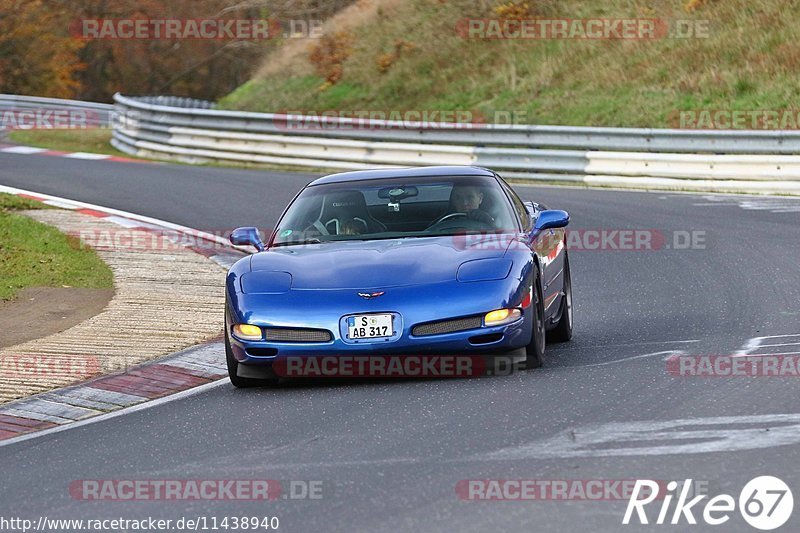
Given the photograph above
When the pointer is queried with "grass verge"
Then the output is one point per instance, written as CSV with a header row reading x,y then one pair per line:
x,y
95,141
33,254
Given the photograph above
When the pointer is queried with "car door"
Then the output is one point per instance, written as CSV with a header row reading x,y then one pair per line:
x,y
549,245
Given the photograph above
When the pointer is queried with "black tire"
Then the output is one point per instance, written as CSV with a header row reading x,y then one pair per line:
x,y
563,330
535,349
233,367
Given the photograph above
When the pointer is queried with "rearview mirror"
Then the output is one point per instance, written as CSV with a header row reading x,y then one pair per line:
x,y
398,193
552,218
247,236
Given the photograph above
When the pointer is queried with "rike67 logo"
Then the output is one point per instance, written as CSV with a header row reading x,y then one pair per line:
x,y
765,503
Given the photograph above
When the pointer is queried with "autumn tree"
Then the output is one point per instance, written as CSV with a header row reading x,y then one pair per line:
x,y
37,54
44,52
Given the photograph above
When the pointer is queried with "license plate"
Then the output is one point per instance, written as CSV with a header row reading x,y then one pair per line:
x,y
369,326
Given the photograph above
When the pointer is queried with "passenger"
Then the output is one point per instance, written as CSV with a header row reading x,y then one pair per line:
x,y
352,227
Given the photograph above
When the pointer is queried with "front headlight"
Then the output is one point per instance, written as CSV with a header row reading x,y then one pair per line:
x,y
248,332
500,317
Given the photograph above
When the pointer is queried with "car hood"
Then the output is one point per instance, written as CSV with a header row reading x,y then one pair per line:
x,y
379,263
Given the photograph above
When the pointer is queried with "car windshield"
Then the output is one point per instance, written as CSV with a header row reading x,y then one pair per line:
x,y
396,208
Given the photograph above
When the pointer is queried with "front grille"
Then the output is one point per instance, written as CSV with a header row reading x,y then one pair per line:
x,y
297,335
447,326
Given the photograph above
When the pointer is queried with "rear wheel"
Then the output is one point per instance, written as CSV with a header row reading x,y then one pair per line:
x,y
535,349
563,330
233,369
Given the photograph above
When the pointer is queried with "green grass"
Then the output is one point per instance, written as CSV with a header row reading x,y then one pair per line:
x,y
748,61
33,254
95,141
10,202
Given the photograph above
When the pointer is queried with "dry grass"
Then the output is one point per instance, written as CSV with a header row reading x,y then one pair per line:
x,y
292,58
748,61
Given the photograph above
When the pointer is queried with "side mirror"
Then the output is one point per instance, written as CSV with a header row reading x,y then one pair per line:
x,y
552,218
247,237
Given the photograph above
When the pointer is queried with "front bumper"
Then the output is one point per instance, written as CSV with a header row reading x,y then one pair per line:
x,y
474,341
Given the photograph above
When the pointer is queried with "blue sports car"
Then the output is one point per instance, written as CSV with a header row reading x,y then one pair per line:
x,y
430,260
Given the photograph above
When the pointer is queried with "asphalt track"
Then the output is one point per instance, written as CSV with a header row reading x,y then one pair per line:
x,y
390,454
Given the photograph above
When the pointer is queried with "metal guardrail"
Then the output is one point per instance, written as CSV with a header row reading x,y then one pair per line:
x,y
34,110
564,153
558,137
190,130
176,101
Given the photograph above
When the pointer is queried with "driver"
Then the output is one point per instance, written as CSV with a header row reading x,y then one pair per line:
x,y
468,199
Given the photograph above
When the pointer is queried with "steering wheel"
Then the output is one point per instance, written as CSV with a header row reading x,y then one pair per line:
x,y
458,222
316,227
446,217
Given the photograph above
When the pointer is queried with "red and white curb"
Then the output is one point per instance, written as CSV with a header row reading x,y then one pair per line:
x,y
32,150
183,372
187,372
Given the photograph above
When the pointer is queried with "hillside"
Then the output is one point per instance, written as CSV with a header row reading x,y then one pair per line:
x,y
412,55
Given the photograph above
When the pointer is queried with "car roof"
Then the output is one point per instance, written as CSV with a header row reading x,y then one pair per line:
x,y
411,172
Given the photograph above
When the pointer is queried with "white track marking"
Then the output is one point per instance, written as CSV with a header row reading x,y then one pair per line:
x,y
124,222
783,344
661,437
60,205
86,155
620,188
124,411
23,150
772,204
622,439
756,343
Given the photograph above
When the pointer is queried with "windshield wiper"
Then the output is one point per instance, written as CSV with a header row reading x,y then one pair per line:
x,y
292,243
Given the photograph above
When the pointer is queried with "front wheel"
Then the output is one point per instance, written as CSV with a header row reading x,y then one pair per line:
x,y
535,349
563,330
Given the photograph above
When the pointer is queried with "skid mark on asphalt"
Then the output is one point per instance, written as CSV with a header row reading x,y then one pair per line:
x,y
565,358
666,353
643,343
660,437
